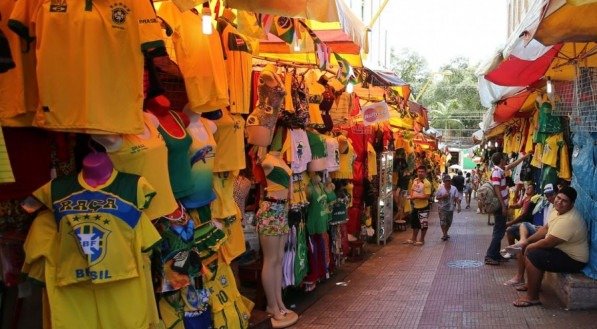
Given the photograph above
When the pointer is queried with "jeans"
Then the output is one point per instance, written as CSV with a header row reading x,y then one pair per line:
x,y
499,229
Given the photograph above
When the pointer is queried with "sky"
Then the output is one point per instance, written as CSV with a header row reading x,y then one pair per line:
x,y
440,30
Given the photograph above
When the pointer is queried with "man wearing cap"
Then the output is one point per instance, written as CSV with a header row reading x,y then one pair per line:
x,y
447,196
559,246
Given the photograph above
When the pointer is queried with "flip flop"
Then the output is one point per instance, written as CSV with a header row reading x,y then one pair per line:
x,y
408,242
419,243
513,282
526,303
522,288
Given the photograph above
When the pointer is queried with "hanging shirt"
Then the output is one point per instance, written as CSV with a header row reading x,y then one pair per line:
x,y
317,211
230,137
98,89
148,157
239,63
346,162
18,86
229,308
297,150
371,161
179,166
201,156
333,154
200,58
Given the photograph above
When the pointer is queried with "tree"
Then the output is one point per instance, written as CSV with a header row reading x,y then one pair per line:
x,y
442,117
410,66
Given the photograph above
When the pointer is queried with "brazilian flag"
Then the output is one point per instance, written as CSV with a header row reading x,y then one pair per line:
x,y
345,71
284,28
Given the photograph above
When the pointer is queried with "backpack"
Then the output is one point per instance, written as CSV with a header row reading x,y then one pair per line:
x,y
488,199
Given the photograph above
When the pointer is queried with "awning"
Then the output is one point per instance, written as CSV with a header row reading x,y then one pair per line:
x,y
320,15
507,108
515,71
383,78
310,58
572,20
321,10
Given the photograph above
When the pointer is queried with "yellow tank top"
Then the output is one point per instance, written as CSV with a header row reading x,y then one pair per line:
x,y
148,158
278,179
346,161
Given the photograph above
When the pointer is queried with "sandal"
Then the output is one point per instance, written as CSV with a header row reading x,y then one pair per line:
x,y
513,282
526,303
419,243
522,288
493,262
408,242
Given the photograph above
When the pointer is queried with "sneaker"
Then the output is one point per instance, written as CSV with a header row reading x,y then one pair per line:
x,y
514,249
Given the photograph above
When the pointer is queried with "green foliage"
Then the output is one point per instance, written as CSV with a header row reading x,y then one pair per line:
x,y
452,94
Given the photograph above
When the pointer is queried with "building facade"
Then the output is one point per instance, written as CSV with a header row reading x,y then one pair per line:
x,y
516,11
379,52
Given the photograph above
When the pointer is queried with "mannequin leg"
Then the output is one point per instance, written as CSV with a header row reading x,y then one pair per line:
x,y
280,258
271,273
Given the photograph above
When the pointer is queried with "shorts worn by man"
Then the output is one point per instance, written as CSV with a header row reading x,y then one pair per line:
x,y
560,246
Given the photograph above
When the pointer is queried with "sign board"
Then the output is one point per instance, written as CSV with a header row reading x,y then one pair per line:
x,y
374,113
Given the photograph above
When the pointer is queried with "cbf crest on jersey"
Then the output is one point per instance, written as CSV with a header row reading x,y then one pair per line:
x,y
119,13
93,241
58,6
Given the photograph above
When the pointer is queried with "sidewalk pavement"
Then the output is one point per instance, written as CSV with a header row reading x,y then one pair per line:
x,y
405,286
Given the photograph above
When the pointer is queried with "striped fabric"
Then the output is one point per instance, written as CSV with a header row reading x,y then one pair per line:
x,y
499,178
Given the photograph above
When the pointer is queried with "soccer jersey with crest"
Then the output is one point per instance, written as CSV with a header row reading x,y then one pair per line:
x,y
99,227
106,305
89,61
18,86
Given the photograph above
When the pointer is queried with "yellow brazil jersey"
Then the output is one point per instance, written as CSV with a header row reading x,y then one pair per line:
x,y
234,245
99,226
229,308
89,61
564,170
239,64
148,157
200,58
537,155
224,206
419,187
107,303
18,86
230,137
551,149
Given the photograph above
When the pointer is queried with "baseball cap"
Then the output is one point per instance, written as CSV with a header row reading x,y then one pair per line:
x,y
548,189
446,177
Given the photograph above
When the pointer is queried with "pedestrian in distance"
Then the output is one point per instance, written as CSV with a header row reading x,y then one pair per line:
x,y
447,198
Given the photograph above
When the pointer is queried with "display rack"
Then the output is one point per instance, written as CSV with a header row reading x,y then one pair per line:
x,y
384,201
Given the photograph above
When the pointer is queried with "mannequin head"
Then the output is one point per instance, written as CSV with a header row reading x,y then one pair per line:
x,y
97,168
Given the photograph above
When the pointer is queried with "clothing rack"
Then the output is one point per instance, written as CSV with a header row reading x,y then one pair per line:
x,y
281,62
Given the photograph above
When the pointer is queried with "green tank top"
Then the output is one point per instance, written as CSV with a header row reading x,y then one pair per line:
x,y
179,166
317,212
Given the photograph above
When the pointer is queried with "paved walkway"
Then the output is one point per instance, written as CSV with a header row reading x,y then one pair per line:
x,y
403,286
